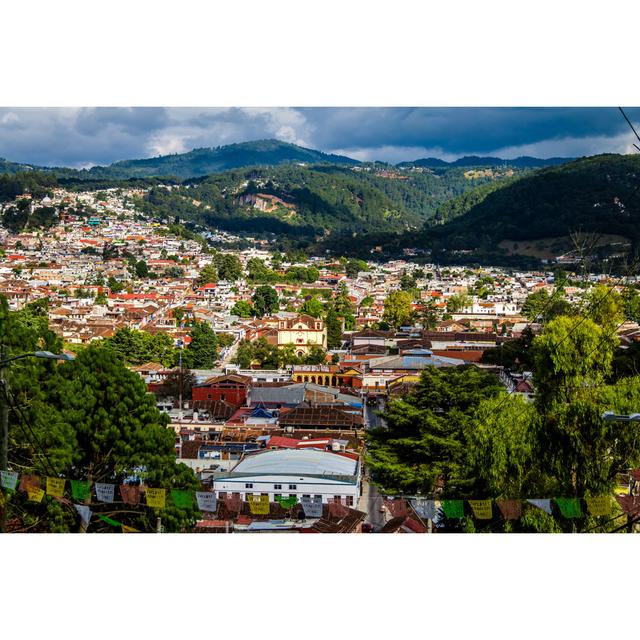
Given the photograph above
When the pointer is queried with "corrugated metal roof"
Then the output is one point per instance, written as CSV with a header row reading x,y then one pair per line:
x,y
297,462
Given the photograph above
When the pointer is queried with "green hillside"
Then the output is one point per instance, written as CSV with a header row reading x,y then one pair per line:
x,y
590,195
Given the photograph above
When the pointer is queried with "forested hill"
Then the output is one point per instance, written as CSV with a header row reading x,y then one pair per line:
x,y
317,200
595,194
198,162
522,162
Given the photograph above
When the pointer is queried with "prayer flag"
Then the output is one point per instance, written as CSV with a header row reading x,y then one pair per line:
x,y
105,492
84,512
111,521
233,503
35,494
426,509
599,505
182,498
629,504
312,507
80,489
9,480
397,508
130,493
29,480
510,509
481,509
453,508
287,503
155,497
541,503
569,507
206,501
55,487
258,505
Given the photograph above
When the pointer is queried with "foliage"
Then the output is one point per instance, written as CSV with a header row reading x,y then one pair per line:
x,y
202,352
312,307
426,437
398,309
265,301
242,308
135,347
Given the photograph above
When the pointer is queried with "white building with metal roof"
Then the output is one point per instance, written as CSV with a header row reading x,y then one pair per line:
x,y
293,472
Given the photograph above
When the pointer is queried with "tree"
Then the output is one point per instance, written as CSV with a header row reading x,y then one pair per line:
x,y
631,304
426,436
312,307
178,315
100,299
343,307
109,429
535,304
334,328
208,274
229,266
354,266
265,301
141,269
242,308
139,347
114,286
398,310
407,282
174,272
202,352
457,302
179,382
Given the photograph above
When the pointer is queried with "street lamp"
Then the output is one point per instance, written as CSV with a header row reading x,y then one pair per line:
x,y
4,401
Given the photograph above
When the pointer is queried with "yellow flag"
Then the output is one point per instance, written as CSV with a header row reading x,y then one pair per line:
x,y
599,505
35,494
259,505
155,497
481,509
55,487
126,529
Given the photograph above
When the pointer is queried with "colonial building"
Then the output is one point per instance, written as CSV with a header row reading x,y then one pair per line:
x,y
303,332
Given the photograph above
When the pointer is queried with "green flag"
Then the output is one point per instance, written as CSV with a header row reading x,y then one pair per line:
x,y
113,523
453,508
287,503
80,489
569,507
182,498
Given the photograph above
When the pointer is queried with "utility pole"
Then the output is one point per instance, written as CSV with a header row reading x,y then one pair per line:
x,y
4,421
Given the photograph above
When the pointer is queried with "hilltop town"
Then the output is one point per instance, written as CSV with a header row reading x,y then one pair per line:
x,y
267,363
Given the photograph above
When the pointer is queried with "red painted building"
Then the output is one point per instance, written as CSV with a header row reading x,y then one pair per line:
x,y
231,388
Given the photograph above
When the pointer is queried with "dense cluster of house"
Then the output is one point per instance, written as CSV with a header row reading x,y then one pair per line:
x,y
255,435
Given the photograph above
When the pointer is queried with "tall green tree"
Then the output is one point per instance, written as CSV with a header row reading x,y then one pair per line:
x,y
398,309
202,352
265,301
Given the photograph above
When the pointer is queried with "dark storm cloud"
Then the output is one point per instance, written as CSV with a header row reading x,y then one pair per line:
x,y
86,136
460,130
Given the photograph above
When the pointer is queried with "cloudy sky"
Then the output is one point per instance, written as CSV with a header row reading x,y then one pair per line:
x,y
82,137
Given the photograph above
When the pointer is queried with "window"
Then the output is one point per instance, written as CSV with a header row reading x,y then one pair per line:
x,y
317,497
248,485
293,487
306,495
222,397
336,498
276,496
209,396
277,486
349,501
222,495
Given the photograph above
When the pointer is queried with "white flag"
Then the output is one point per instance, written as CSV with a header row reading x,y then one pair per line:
x,y
426,509
84,512
105,492
206,500
9,480
312,508
543,503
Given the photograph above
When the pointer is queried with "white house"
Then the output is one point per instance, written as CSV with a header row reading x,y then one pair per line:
x,y
293,472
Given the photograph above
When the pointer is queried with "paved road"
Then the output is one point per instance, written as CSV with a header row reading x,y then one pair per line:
x,y
370,502
230,354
